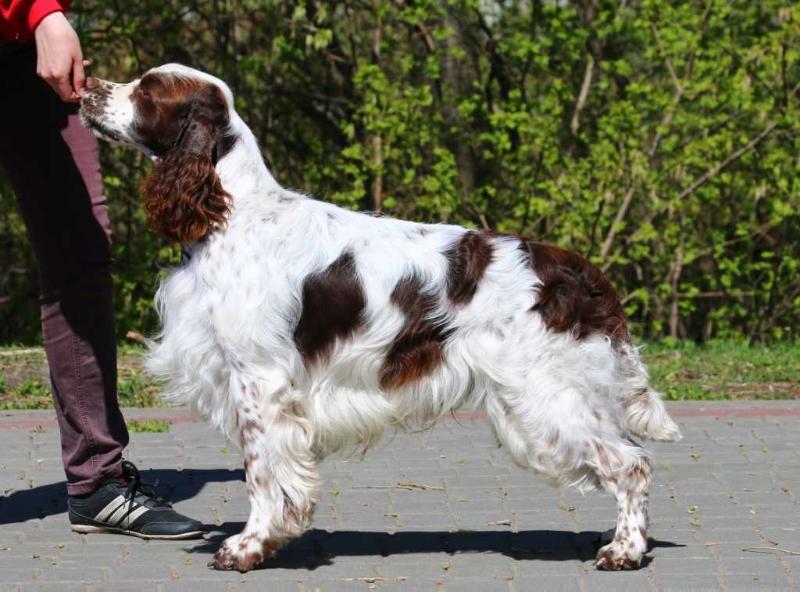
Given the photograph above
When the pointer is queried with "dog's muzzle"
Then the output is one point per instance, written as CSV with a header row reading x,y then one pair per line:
x,y
94,100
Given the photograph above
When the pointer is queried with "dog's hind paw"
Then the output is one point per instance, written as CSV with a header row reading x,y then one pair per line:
x,y
242,552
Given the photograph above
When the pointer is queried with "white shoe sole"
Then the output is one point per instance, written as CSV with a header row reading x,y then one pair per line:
x,y
88,529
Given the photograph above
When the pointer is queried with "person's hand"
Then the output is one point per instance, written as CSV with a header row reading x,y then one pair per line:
x,y
59,58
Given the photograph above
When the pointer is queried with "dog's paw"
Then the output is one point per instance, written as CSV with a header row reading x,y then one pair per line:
x,y
617,556
242,552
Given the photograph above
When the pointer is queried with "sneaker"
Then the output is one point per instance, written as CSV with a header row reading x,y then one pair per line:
x,y
130,507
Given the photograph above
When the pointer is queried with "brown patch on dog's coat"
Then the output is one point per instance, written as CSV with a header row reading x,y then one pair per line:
x,y
467,261
333,305
574,295
419,347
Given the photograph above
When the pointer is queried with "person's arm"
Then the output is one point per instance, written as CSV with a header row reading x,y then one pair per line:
x,y
59,56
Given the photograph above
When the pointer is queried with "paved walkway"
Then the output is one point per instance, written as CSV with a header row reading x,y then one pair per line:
x,y
724,507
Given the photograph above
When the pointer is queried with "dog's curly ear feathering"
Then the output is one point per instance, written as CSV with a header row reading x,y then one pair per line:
x,y
184,198
299,328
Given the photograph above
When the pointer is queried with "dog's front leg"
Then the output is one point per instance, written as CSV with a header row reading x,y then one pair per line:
x,y
282,480
630,484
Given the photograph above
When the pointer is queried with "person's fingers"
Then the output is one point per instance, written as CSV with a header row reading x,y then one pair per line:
x,y
62,86
86,64
78,76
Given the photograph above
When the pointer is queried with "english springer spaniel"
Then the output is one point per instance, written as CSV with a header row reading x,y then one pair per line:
x,y
299,328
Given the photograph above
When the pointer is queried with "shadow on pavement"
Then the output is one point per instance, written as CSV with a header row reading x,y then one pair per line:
x,y
46,500
317,548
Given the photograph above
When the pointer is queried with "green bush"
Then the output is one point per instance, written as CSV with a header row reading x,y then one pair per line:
x,y
659,138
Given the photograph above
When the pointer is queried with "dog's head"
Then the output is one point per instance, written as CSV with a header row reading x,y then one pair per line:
x,y
181,117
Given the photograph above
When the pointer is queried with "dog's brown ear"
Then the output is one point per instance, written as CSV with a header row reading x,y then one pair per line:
x,y
184,198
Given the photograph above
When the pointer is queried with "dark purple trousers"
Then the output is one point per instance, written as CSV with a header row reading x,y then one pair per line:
x,y
52,163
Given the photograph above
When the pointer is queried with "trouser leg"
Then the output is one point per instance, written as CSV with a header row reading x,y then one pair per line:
x,y
52,164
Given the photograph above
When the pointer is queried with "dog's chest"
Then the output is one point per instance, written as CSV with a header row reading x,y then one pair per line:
x,y
238,288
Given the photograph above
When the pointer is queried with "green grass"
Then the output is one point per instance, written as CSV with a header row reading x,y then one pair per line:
x,y
725,370
138,391
25,383
147,425
682,371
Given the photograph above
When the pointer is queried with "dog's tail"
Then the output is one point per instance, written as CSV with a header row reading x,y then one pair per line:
x,y
644,411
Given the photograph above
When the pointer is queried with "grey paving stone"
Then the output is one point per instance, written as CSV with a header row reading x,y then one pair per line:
x,y
48,587
369,534
682,583
687,566
321,585
546,582
477,565
717,534
618,581
546,565
744,583
415,572
750,564
487,582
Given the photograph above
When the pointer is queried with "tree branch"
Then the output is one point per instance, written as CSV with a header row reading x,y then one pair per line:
x,y
575,123
712,172
588,73
612,232
674,309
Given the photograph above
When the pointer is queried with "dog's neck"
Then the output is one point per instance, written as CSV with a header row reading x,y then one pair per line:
x,y
242,171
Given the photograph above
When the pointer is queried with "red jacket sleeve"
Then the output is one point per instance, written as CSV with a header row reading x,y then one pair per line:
x,y
19,18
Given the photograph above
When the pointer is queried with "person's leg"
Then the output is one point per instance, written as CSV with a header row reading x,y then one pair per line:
x,y
52,164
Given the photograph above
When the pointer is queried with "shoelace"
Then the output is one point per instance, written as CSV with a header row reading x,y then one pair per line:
x,y
136,485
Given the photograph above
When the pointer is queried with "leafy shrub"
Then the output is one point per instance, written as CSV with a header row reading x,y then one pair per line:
x,y
659,138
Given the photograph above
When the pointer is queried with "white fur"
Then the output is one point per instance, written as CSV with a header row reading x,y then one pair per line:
x,y
227,348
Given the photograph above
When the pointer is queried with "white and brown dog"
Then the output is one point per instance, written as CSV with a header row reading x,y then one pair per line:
x,y
299,328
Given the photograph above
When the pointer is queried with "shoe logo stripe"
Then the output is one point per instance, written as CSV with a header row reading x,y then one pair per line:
x,y
112,506
119,513
131,518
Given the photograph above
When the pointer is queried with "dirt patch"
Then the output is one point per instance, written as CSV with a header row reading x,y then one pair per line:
x,y
768,390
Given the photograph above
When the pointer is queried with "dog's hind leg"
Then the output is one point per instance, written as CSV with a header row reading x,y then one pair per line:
x,y
281,472
557,433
